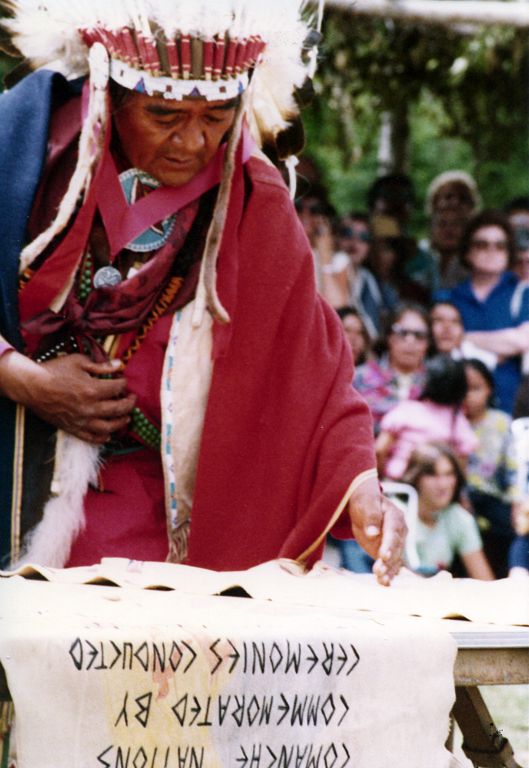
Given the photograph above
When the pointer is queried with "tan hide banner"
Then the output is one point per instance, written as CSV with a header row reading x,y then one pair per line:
x,y
123,677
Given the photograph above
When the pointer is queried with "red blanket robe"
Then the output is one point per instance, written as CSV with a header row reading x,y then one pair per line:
x,y
285,433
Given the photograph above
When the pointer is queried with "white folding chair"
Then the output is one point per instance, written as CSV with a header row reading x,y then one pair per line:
x,y
406,496
520,435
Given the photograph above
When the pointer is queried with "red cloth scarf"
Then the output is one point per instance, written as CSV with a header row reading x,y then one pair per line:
x,y
110,310
123,308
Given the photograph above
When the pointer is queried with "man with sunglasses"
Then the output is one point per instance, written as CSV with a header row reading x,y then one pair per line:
x,y
346,280
315,214
391,200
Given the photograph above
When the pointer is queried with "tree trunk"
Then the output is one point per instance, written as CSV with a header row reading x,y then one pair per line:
x,y
394,142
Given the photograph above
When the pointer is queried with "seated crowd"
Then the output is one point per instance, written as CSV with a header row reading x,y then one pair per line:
x,y
439,331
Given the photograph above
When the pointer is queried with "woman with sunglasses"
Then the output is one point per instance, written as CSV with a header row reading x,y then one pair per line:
x,y
484,300
399,372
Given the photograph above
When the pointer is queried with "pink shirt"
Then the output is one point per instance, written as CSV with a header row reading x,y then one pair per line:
x,y
4,346
415,422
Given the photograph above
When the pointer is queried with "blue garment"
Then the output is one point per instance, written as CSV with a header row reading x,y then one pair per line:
x,y
24,123
519,552
492,314
353,557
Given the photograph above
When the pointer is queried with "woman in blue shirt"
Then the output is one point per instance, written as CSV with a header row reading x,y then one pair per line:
x,y
484,300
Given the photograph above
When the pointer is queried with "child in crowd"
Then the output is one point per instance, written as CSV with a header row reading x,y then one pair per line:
x,y
491,466
356,333
444,528
436,416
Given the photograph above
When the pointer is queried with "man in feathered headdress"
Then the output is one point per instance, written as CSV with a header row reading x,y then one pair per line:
x,y
174,387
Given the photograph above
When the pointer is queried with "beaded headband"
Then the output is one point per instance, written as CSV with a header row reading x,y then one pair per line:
x,y
171,88
179,67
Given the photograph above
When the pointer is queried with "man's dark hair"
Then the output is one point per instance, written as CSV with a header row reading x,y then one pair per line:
x,y
119,95
358,216
445,303
387,182
520,203
322,204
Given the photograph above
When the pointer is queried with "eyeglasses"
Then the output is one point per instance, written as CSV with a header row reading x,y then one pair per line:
x,y
401,332
315,209
485,245
364,237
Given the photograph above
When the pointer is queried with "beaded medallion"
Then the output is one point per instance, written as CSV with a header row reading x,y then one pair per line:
x,y
136,184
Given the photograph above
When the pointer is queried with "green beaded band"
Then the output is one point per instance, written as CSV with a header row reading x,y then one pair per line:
x,y
144,429
85,278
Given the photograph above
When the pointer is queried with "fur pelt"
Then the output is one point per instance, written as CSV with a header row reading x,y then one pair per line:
x,y
76,467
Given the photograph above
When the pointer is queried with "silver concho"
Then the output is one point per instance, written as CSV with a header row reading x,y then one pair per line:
x,y
107,277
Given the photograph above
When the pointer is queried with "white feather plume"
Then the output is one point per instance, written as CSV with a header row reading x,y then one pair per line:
x,y
271,102
48,34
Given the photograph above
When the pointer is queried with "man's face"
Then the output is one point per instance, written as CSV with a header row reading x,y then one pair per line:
x,y
311,214
447,229
354,332
354,239
521,265
455,195
172,140
394,201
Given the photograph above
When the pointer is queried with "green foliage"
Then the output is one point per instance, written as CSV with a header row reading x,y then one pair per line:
x,y
463,92
5,65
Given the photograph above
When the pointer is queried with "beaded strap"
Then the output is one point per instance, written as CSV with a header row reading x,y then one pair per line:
x,y
85,278
142,428
171,502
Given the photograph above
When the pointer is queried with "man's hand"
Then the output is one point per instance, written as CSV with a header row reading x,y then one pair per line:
x,y
378,526
69,393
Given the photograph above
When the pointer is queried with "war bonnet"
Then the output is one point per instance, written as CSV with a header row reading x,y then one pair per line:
x,y
214,49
